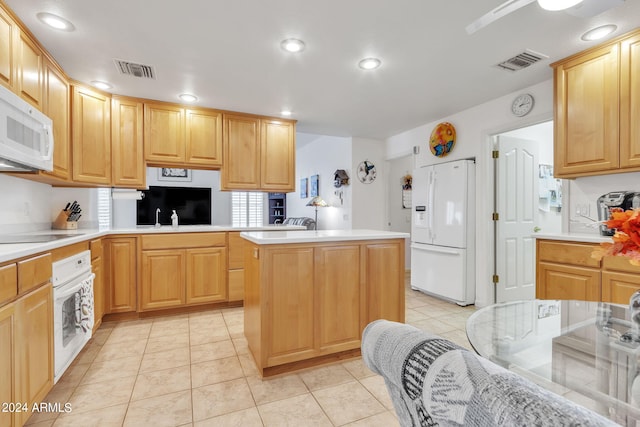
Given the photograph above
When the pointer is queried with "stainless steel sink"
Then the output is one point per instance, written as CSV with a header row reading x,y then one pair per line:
x,y
33,238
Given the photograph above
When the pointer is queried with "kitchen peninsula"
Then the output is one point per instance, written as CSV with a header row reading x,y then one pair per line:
x,y
309,294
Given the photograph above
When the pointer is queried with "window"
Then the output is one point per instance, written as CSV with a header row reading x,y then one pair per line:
x,y
246,209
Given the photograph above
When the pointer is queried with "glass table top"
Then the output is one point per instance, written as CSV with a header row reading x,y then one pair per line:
x,y
582,350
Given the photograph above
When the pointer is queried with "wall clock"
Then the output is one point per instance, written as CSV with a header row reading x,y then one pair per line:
x,y
522,105
366,172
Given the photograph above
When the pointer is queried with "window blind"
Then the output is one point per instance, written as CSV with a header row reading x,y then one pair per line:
x,y
246,209
104,208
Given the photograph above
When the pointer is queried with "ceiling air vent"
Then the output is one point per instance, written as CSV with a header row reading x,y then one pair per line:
x,y
136,70
522,60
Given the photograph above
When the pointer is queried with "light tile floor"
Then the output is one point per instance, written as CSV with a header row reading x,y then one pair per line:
x,y
195,370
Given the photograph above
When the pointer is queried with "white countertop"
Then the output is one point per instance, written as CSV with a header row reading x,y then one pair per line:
x,y
317,236
11,251
574,237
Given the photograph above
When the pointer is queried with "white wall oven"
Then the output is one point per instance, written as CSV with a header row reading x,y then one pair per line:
x,y
73,308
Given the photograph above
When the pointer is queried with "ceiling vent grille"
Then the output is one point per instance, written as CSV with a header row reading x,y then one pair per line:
x,y
522,60
134,69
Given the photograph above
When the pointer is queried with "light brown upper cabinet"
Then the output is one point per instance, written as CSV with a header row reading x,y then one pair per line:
x,y
8,31
259,154
594,98
57,105
177,136
91,130
127,154
29,66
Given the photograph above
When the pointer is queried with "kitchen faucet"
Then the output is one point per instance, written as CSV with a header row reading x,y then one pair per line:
x,y
157,223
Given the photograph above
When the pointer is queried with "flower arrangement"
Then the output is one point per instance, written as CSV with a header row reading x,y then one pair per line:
x,y
626,240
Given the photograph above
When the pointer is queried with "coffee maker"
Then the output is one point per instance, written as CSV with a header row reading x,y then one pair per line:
x,y
616,199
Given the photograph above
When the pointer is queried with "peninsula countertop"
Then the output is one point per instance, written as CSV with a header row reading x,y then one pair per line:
x,y
11,251
574,237
317,236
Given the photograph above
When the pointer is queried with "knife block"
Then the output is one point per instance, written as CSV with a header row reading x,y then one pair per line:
x,y
61,222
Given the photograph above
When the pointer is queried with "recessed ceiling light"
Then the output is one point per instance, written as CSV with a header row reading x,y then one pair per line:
x,y
557,4
55,21
599,32
369,63
292,45
187,97
285,112
101,85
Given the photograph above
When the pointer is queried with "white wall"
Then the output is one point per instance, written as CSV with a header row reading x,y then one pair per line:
x,y
369,209
323,155
399,218
124,211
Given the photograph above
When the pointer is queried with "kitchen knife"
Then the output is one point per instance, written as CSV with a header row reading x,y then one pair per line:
x,y
67,207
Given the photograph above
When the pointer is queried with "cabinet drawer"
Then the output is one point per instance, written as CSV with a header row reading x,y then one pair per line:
x,y
8,282
620,263
33,271
96,248
183,240
567,253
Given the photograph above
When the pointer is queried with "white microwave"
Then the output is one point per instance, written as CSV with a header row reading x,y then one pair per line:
x,y
26,135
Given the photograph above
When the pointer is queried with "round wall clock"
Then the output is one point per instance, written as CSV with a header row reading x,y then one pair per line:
x,y
443,138
522,105
366,172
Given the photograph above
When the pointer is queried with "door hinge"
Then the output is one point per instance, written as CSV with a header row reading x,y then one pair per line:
x,y
495,278
495,154
495,216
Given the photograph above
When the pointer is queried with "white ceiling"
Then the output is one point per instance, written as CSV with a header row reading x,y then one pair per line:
x,y
228,54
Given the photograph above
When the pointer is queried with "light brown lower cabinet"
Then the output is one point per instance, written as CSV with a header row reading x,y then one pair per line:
x,y
120,274
566,270
98,282
183,269
9,357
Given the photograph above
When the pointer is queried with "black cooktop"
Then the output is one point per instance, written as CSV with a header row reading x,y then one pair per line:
x,y
34,238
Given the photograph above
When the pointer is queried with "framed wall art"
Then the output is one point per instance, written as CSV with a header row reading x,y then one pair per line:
x,y
303,188
314,185
174,174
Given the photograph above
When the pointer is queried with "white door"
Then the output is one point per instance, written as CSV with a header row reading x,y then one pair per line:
x,y
517,206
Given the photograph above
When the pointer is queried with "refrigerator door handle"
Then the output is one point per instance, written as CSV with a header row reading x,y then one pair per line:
x,y
432,187
438,249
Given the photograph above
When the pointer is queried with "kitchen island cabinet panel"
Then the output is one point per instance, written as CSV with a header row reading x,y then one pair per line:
x,y
206,278
340,293
163,279
382,264
290,298
9,357
120,274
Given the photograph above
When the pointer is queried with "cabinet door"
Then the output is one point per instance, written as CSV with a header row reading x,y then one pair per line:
x,y
236,250
91,130
586,113
35,314
618,287
630,102
383,264
556,281
9,357
127,152
241,152
120,274
236,285
163,133
8,31
339,297
206,275
290,305
57,107
163,279
204,138
277,155
29,70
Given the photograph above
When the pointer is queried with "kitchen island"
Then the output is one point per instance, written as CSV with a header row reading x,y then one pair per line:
x,y
309,294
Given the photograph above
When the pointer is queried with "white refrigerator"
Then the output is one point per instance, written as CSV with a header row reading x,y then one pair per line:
x,y
443,231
